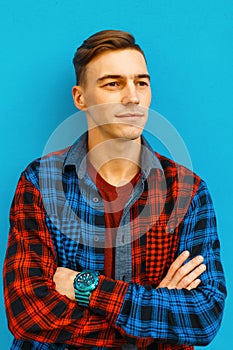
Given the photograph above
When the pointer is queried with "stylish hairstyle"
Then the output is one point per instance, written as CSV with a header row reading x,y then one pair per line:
x,y
106,40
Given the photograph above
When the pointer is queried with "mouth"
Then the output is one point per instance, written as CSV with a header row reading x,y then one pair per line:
x,y
129,115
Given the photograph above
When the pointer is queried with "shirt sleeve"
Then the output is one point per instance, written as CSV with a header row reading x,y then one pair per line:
x,y
35,310
174,316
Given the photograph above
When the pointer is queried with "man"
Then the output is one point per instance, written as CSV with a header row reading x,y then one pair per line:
x,y
108,238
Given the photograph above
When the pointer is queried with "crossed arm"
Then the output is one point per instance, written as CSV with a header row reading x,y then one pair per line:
x,y
180,275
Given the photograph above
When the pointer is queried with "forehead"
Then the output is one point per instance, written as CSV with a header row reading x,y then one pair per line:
x,y
127,62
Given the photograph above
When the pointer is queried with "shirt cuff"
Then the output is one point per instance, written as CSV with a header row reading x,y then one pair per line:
x,y
107,299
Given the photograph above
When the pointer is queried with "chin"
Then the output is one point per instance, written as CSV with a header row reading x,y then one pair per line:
x,y
131,136
123,131
132,133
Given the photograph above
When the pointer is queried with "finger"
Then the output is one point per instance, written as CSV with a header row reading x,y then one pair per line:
x,y
178,271
177,264
187,268
179,280
194,284
192,276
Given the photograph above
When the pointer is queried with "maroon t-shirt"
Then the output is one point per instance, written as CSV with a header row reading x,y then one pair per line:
x,y
114,198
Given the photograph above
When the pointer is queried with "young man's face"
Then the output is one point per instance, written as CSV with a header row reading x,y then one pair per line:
x,y
116,94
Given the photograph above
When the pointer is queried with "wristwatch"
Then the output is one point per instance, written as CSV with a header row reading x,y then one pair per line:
x,y
84,284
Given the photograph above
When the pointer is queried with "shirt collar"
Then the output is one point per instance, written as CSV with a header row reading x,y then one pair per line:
x,y
76,156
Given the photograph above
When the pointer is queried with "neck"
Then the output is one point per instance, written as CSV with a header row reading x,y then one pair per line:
x,y
116,160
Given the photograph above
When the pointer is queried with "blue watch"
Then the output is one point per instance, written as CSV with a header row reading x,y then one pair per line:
x,y
84,284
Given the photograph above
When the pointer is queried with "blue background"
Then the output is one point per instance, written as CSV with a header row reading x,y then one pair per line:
x,y
189,50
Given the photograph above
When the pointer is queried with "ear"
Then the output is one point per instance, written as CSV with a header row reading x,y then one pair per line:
x,y
78,97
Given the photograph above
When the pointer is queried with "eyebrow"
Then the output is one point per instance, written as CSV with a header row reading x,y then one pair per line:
x,y
117,76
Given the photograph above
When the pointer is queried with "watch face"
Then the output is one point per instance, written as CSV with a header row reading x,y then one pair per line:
x,y
86,281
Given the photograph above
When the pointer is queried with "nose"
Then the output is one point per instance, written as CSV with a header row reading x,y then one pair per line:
x,y
130,94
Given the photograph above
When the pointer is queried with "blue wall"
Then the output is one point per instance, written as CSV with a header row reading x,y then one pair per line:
x,y
190,55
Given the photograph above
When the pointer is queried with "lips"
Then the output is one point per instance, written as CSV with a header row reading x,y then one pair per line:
x,y
129,115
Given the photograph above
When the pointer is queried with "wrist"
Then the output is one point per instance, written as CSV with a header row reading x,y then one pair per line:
x,y
71,283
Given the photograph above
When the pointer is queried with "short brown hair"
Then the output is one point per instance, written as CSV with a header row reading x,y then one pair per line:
x,y
106,40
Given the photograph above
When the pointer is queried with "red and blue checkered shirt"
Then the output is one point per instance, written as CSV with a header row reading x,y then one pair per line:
x,y
57,219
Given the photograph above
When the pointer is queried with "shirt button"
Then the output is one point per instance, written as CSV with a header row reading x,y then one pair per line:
x,y
96,238
125,278
95,199
171,230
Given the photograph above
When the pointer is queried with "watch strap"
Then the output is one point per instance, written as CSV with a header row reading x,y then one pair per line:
x,y
83,298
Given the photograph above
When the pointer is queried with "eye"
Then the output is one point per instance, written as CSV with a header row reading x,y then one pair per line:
x,y
142,83
113,84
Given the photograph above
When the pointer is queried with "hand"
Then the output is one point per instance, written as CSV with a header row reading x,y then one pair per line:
x,y
64,279
182,275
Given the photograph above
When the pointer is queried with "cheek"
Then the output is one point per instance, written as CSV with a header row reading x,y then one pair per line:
x,y
94,97
145,100
101,99
101,112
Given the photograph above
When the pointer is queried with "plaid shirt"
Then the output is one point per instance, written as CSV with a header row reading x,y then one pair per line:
x,y
57,219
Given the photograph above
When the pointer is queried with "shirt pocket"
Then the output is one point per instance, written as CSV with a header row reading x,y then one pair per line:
x,y
66,239
78,245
